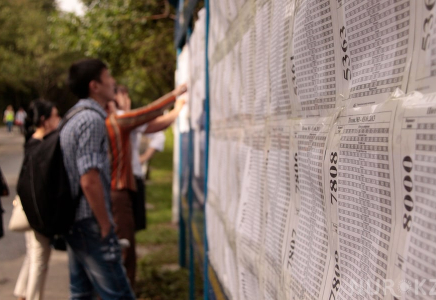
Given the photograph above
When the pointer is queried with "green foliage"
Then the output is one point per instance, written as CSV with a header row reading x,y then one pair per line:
x,y
29,67
38,43
138,49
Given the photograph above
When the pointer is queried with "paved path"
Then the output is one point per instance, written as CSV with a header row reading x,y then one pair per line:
x,y
12,247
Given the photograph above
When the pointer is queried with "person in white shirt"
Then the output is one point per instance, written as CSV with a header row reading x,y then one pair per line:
x,y
20,118
156,142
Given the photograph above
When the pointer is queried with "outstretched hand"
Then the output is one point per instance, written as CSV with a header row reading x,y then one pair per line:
x,y
180,89
181,101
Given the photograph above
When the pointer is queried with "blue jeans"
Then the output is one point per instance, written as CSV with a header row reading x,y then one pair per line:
x,y
95,264
9,125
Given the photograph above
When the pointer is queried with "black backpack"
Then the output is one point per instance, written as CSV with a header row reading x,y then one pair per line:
x,y
44,187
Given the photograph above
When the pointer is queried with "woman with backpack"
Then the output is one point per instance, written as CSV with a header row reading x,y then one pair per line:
x,y
42,118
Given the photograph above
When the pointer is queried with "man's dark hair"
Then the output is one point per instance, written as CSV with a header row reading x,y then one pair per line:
x,y
81,73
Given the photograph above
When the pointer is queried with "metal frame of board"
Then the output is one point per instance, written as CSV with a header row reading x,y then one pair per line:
x,y
193,242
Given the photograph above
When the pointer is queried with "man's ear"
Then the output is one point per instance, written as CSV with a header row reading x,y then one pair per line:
x,y
93,86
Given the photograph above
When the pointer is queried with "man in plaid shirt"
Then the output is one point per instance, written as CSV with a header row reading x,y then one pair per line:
x,y
93,249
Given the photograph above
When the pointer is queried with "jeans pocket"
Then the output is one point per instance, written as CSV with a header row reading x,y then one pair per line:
x,y
110,248
110,234
94,228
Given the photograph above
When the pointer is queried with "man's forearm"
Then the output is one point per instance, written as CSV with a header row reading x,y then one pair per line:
x,y
93,190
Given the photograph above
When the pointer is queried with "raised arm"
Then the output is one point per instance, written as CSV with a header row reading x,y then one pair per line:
x,y
134,118
162,122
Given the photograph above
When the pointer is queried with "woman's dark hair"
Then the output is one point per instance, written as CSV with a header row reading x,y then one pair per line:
x,y
37,109
81,73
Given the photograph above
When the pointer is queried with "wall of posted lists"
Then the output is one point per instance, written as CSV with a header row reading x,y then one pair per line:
x,y
322,154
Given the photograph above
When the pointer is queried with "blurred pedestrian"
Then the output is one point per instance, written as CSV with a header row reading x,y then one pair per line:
x,y
20,118
140,163
4,191
8,117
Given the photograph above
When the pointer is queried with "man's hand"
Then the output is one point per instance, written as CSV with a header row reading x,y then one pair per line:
x,y
180,89
105,230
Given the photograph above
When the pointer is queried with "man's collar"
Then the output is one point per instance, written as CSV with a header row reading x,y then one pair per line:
x,y
91,103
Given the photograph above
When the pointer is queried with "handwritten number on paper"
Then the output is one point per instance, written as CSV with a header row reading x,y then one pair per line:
x,y
336,280
291,248
294,77
297,180
408,187
429,4
346,62
428,24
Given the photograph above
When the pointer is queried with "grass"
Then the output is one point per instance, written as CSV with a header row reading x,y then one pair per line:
x,y
158,274
162,234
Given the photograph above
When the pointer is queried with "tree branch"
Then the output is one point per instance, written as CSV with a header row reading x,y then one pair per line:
x,y
166,14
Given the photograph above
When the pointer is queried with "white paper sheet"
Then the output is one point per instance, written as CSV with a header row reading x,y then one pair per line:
x,y
281,32
261,75
414,259
360,197
314,57
310,263
279,197
423,73
247,69
375,48
248,283
251,216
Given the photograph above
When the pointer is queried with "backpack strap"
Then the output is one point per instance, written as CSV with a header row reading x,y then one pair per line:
x,y
68,117
74,112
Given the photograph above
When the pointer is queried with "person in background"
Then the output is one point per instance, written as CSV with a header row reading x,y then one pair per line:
x,y
20,117
8,117
94,253
140,162
4,191
120,124
43,119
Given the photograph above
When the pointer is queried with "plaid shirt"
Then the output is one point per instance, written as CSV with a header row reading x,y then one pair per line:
x,y
84,146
